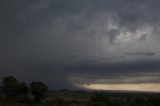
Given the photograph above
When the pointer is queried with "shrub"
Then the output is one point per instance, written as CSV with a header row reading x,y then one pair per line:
x,y
10,86
39,90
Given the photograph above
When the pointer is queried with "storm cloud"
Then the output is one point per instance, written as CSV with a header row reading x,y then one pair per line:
x,y
60,42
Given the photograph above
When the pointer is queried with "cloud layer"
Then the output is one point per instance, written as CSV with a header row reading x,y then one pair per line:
x,y
55,40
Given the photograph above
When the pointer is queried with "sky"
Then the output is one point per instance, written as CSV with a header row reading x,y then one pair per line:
x,y
82,44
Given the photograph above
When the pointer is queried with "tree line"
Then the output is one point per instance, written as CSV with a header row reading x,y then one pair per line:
x,y
13,90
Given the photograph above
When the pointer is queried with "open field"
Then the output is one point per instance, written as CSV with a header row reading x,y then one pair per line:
x,y
82,98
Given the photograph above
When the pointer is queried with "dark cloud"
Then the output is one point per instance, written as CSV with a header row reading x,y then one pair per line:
x,y
134,78
53,39
123,67
142,54
143,37
113,33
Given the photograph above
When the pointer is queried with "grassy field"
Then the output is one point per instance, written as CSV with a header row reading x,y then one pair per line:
x,y
81,98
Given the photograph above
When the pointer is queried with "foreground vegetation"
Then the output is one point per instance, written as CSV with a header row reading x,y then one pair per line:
x,y
15,93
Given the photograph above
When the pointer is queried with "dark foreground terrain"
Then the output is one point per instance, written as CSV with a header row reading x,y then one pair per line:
x,y
83,98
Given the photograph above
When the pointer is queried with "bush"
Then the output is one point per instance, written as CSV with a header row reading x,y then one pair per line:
x,y
104,99
38,90
10,87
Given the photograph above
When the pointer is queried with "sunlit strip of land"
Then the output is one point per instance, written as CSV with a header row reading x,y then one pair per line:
x,y
150,87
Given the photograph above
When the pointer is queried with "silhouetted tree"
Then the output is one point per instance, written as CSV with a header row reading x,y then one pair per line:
x,y
23,93
38,90
23,88
10,86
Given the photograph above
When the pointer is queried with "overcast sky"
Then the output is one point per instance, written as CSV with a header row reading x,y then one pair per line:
x,y
71,43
